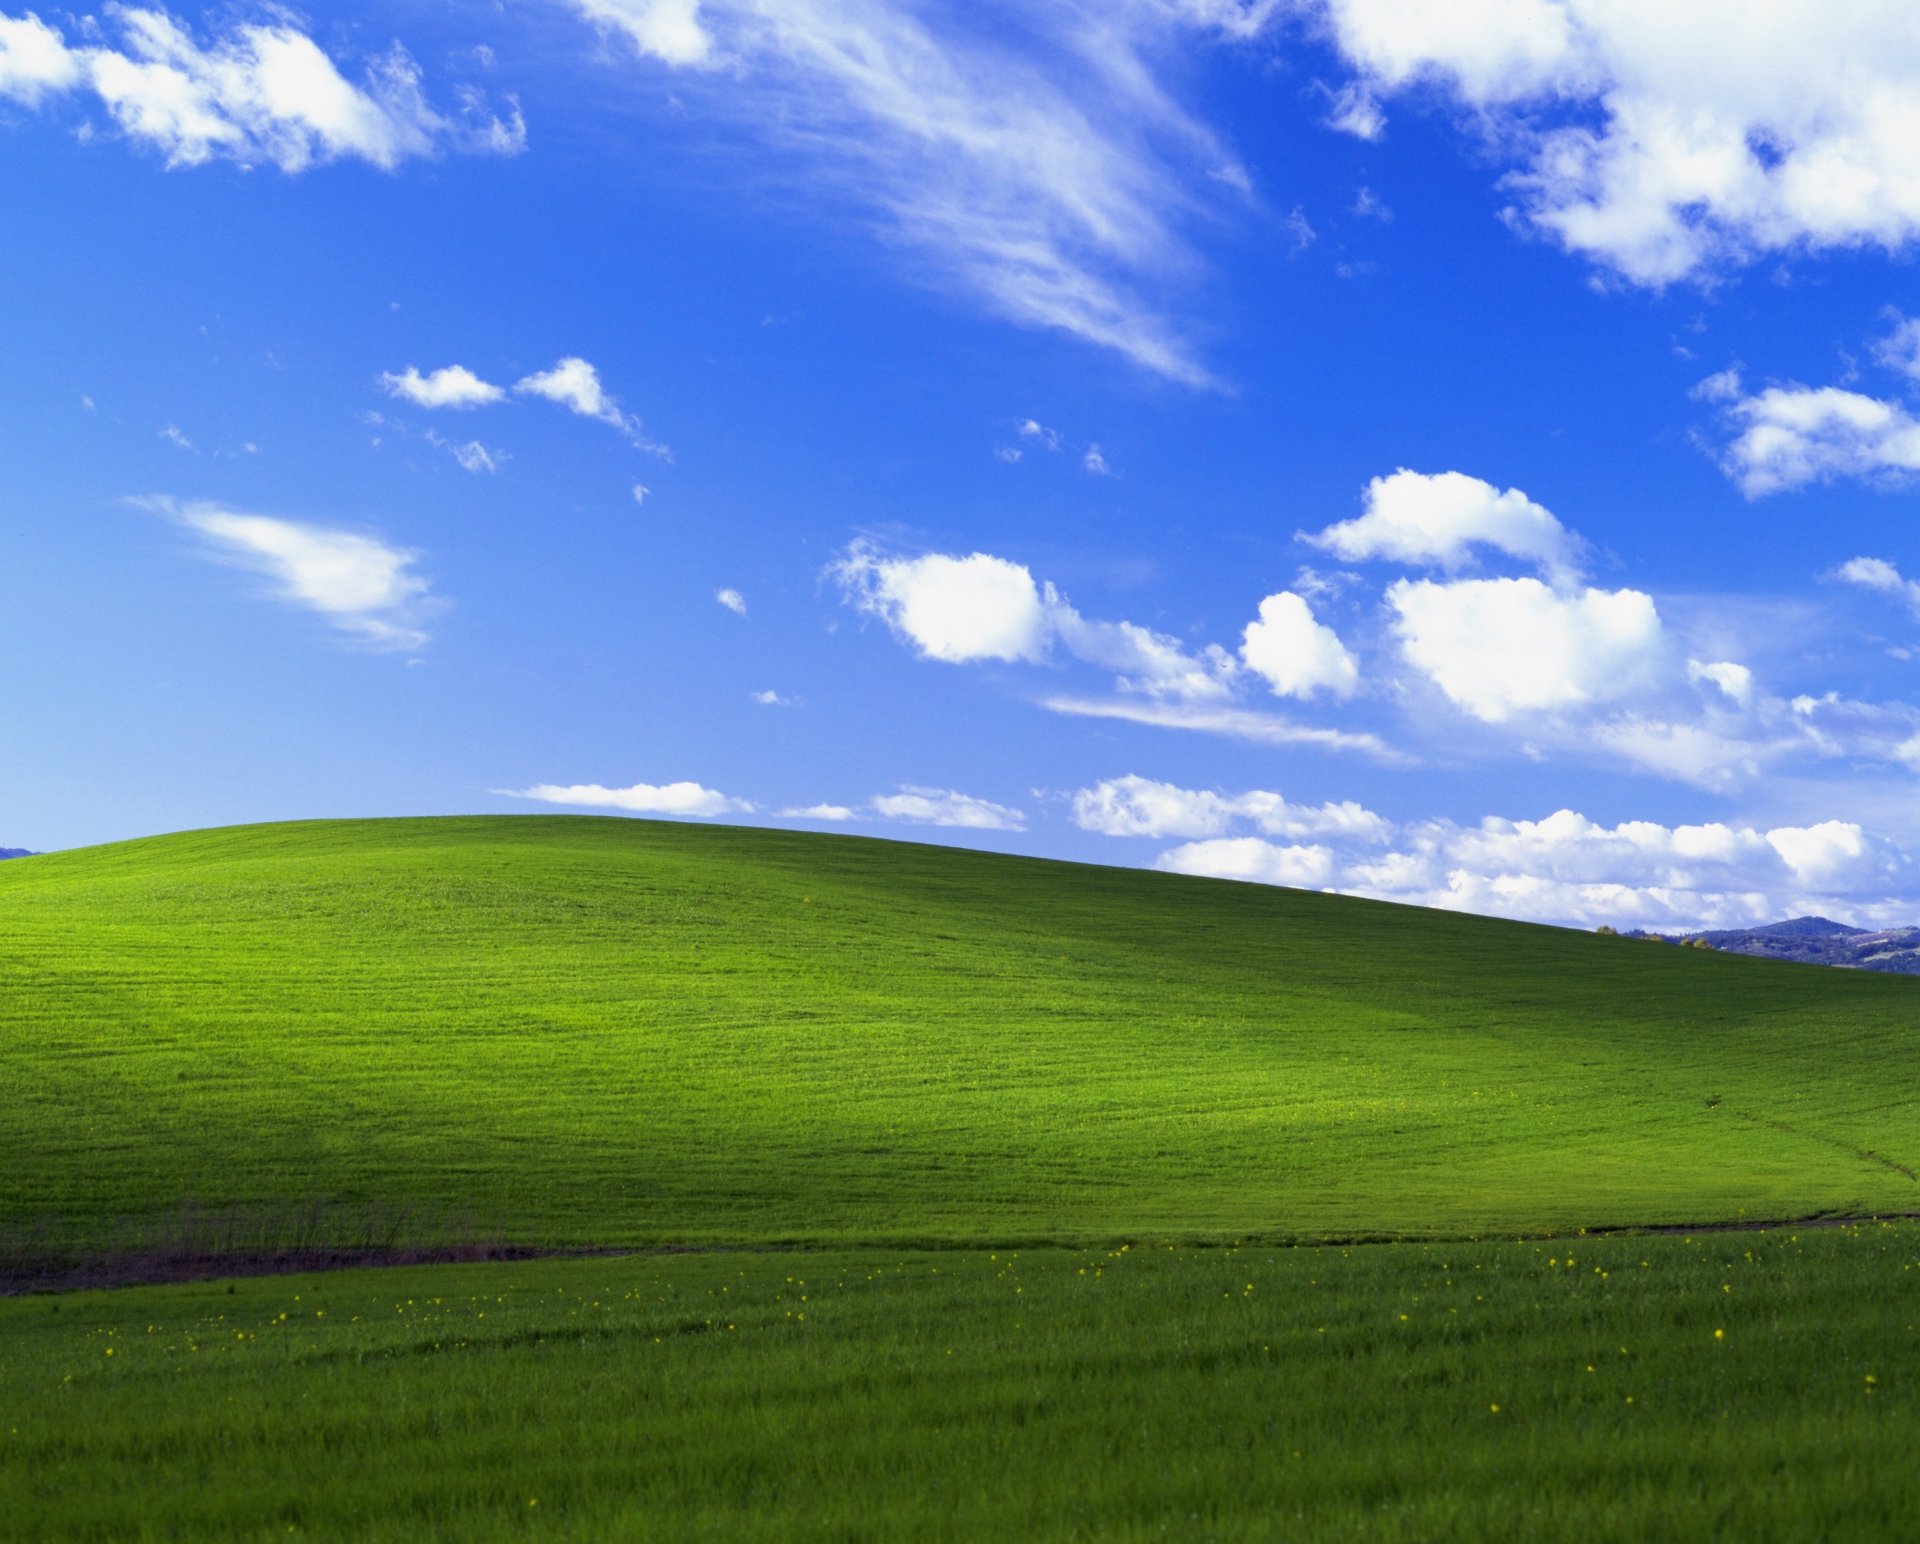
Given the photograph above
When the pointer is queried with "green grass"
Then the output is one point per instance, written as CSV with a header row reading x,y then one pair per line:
x,y
606,1032
1742,1386
572,1032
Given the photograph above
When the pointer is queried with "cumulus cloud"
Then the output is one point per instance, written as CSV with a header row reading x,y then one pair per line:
x,y
453,386
1250,858
1880,575
1735,682
954,609
1439,518
1500,647
1140,806
1666,142
944,807
1040,161
963,610
1572,870
1294,654
771,699
733,600
833,812
1790,436
638,799
361,585
259,95
668,30
35,61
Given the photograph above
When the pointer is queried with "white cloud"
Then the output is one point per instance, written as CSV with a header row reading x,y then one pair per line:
x,y
834,812
452,386
955,609
1498,647
772,699
1572,870
1878,574
1354,110
1899,349
576,386
1033,429
472,455
1734,681
361,585
1438,518
1367,204
35,60
1234,723
1294,654
1144,661
1007,453
258,95
1790,436
172,435
1140,806
1251,858
733,600
1722,386
1095,463
639,799
944,807
1044,165
668,30
962,610
1666,141
640,492
1833,854
1699,752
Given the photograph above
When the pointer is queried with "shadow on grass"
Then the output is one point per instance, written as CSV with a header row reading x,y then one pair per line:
x,y
194,1243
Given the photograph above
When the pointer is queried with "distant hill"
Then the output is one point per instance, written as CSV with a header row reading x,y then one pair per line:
x,y
1821,941
15,852
586,1031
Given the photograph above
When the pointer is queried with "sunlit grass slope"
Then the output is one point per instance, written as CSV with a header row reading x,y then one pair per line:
x,y
583,1031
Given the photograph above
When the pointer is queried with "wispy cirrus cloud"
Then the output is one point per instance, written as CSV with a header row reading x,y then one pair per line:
x,y
575,384
361,585
1033,156
260,94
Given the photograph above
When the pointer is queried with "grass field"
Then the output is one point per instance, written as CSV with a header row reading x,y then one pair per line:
x,y
613,1032
1744,1386
994,1168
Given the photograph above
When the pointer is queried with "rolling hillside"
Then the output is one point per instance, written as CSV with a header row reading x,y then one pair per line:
x,y
573,1031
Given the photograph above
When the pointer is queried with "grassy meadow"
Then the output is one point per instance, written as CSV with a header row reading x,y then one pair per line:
x,y
1747,1386
595,1032
941,1195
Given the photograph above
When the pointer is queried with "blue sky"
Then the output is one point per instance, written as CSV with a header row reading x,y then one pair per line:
x,y
1458,454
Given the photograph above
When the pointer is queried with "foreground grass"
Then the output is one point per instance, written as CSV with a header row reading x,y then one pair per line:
x,y
1740,1385
567,1031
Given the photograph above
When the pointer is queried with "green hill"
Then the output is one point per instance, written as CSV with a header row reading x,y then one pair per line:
x,y
572,1031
